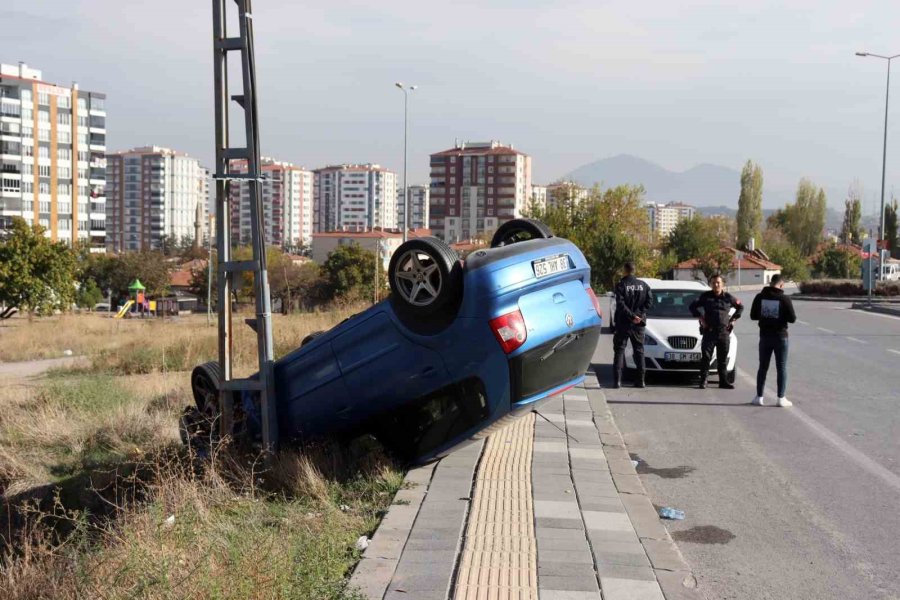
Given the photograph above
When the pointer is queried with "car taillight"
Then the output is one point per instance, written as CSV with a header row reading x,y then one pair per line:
x,y
595,302
509,329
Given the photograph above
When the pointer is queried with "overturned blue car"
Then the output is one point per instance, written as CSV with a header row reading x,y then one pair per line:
x,y
459,348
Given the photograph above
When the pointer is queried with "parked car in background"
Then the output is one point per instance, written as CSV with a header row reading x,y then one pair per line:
x,y
672,337
459,348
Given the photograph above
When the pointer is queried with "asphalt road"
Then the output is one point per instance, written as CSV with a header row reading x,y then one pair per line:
x,y
781,503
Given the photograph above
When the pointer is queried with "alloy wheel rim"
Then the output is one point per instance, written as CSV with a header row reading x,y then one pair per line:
x,y
418,278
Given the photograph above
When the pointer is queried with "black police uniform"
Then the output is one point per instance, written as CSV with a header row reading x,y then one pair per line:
x,y
633,299
717,333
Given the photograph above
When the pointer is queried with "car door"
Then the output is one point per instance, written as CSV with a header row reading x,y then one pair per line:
x,y
383,368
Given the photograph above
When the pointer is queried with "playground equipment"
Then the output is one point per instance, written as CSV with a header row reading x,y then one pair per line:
x,y
124,310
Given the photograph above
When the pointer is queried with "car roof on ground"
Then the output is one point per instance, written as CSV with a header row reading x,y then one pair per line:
x,y
666,284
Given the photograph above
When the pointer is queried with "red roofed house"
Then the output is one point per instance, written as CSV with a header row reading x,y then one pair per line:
x,y
749,268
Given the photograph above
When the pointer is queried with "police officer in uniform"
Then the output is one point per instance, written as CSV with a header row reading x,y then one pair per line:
x,y
713,308
633,300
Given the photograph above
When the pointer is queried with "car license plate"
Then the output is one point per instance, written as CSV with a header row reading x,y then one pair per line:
x,y
683,356
550,265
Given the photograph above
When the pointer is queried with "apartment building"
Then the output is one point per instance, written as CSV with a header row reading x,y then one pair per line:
x,y
565,194
355,198
153,195
475,187
664,217
53,156
538,197
418,207
287,200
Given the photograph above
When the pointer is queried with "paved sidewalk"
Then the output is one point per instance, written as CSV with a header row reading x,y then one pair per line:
x,y
549,507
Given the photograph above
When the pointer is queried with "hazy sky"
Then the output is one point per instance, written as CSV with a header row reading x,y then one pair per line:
x,y
677,83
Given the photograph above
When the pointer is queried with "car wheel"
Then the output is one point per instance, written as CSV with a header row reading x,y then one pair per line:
x,y
425,275
311,337
205,387
519,230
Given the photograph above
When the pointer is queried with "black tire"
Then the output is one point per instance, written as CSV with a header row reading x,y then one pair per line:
x,y
425,275
205,383
311,337
519,230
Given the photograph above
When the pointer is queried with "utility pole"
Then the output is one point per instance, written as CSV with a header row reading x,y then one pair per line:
x,y
406,92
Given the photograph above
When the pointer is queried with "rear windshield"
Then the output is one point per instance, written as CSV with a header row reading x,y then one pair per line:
x,y
672,304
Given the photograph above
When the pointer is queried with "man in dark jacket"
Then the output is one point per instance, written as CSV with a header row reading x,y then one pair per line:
x,y
716,323
774,311
633,300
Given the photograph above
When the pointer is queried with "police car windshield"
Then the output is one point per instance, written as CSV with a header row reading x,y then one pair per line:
x,y
672,304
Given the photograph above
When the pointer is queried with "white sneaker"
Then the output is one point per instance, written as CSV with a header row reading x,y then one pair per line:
x,y
758,401
784,402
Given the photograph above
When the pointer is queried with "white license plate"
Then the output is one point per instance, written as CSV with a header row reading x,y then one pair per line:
x,y
683,356
550,265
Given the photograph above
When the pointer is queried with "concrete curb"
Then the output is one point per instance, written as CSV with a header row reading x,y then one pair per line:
x,y
881,299
673,574
878,308
374,571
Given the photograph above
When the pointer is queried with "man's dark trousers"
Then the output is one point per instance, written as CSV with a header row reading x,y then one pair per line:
x,y
769,343
720,341
620,341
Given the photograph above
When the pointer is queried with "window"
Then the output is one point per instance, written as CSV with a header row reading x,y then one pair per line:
x,y
44,171
43,152
64,154
64,189
64,118
43,98
27,169
27,114
26,96
44,206
64,172
64,137
43,135
43,116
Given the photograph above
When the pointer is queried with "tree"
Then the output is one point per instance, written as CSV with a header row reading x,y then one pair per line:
x,y
851,232
36,274
88,295
609,226
804,221
837,263
783,253
890,227
349,272
749,214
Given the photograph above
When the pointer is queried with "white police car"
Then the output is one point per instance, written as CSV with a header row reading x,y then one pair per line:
x,y
672,336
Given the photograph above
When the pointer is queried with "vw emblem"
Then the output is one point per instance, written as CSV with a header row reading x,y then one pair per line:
x,y
570,321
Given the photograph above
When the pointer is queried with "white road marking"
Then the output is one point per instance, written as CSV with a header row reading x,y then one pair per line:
x,y
835,440
875,314
894,351
802,322
825,330
857,340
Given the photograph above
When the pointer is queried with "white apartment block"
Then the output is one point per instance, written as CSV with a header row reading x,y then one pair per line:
x,y
664,217
538,197
153,196
355,198
565,194
287,200
418,207
53,156
477,186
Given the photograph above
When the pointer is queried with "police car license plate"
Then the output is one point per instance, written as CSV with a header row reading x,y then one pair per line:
x,y
550,265
683,356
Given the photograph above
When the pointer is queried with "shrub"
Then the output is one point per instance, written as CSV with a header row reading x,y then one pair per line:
x,y
839,287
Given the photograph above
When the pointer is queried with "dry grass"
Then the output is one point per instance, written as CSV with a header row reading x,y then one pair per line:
x,y
147,345
91,470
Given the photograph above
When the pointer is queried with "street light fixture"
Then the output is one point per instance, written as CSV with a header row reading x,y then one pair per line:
x,y
884,150
406,91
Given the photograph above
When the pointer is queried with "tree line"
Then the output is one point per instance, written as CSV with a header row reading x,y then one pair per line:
x,y
40,276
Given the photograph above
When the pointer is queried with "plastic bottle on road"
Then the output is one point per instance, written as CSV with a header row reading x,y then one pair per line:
x,y
667,512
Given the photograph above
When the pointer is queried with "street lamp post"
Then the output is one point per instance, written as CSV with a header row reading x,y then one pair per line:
x,y
887,94
406,91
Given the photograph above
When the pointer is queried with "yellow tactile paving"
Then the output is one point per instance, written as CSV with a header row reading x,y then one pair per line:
x,y
499,560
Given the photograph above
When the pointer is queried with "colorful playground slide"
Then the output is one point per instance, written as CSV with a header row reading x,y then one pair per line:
x,y
124,310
